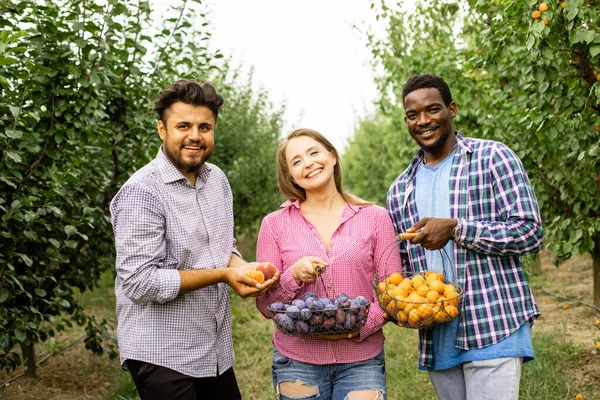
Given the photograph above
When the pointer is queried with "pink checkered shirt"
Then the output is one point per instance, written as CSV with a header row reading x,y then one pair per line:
x,y
353,257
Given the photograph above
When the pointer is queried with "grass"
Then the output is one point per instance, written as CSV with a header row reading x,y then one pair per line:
x,y
547,377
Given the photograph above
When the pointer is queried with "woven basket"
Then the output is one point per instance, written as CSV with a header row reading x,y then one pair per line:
x,y
414,310
311,316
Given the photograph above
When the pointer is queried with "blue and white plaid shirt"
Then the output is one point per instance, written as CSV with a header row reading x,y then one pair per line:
x,y
163,224
499,221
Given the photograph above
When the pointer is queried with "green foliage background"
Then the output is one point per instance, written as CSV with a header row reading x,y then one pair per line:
x,y
531,85
77,82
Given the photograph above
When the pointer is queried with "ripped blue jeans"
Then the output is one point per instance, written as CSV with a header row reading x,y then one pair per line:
x,y
333,381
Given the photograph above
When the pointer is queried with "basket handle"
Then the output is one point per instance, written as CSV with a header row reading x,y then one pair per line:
x,y
320,270
407,235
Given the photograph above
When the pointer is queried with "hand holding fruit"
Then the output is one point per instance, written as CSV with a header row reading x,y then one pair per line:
x,y
304,269
248,282
435,232
262,272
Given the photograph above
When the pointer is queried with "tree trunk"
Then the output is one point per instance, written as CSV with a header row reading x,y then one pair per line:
x,y
29,360
596,270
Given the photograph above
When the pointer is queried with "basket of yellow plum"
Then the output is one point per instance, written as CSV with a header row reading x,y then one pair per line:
x,y
419,299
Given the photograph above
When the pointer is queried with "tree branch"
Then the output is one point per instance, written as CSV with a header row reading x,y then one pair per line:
x,y
162,51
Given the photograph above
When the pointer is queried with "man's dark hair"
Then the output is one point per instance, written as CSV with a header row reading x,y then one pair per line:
x,y
425,81
188,91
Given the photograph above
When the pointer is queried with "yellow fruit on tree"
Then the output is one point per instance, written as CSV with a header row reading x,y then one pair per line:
x,y
543,7
563,4
536,14
545,22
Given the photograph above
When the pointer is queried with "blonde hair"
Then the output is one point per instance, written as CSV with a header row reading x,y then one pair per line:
x,y
291,190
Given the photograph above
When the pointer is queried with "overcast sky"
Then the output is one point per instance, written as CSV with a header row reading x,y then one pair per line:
x,y
304,53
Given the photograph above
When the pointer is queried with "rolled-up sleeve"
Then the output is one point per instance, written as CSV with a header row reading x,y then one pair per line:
x,y
139,227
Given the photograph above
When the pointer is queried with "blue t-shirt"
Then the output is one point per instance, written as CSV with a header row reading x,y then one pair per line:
x,y
432,194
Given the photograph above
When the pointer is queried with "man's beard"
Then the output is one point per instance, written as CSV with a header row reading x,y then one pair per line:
x,y
437,146
190,168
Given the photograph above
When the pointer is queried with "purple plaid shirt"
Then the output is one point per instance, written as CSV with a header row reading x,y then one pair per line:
x,y
499,222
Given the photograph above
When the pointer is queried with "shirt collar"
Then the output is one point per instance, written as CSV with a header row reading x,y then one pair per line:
x,y
170,173
296,203
462,144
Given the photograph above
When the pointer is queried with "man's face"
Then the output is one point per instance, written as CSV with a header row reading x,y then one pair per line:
x,y
188,137
429,120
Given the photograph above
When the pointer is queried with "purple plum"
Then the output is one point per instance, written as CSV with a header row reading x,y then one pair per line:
x,y
302,327
316,320
330,310
285,323
305,314
299,303
293,312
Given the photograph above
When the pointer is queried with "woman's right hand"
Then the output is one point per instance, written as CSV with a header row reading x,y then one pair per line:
x,y
304,269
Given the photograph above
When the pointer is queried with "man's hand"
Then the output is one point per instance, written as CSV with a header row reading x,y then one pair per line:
x,y
245,286
435,232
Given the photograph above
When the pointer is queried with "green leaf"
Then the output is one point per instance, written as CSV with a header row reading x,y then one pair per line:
x,y
7,60
65,303
13,156
70,230
20,335
4,293
594,50
572,14
15,111
54,242
13,134
41,292
28,261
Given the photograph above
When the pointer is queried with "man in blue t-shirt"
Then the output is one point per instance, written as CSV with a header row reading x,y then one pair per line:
x,y
473,199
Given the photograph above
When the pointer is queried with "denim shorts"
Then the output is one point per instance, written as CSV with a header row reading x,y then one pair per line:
x,y
333,381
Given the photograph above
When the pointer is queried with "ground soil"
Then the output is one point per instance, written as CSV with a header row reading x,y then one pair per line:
x,y
75,373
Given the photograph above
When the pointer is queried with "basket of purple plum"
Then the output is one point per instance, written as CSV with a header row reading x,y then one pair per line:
x,y
311,315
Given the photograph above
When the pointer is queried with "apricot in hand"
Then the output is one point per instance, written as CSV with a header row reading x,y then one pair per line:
x,y
267,269
256,275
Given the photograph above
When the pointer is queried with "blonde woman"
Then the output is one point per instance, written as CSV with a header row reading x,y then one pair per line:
x,y
321,223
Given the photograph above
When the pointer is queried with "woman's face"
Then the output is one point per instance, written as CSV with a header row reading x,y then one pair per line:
x,y
310,164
